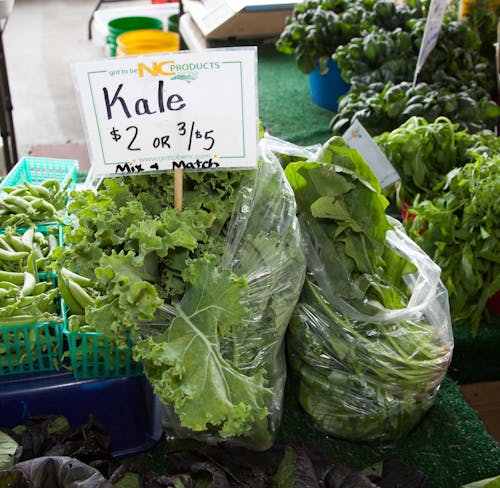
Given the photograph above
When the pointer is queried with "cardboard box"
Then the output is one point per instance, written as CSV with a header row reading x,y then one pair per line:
x,y
484,397
236,19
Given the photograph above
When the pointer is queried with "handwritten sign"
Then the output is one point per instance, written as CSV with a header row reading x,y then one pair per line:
x,y
357,137
179,110
431,33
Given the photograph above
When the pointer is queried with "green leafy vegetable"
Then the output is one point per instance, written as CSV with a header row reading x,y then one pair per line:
x,y
383,107
186,366
129,297
424,152
458,228
219,361
130,241
383,55
318,27
8,448
368,354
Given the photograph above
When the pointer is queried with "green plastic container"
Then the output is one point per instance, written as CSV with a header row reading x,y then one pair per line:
x,y
30,348
173,23
33,347
37,170
125,24
92,356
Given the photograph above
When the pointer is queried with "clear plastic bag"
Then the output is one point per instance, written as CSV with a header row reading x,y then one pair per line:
x,y
239,342
287,152
370,340
371,377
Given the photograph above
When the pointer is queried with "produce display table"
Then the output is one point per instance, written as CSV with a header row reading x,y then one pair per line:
x,y
451,445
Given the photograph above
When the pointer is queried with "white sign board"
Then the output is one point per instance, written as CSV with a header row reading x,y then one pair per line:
x,y
357,137
431,32
159,112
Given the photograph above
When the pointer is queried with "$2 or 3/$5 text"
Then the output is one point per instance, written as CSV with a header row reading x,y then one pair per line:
x,y
187,131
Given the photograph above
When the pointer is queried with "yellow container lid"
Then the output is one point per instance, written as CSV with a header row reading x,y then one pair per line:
x,y
145,41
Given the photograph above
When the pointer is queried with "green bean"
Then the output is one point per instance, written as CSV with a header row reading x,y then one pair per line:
x,y
31,266
52,243
38,190
13,256
5,245
18,202
40,287
27,237
11,289
17,320
81,280
28,285
52,183
16,242
11,277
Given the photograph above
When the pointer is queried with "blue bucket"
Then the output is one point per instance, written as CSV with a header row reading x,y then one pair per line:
x,y
327,89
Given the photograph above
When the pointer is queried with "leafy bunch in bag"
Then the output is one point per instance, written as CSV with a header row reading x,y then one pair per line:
x,y
219,361
367,369
342,200
228,270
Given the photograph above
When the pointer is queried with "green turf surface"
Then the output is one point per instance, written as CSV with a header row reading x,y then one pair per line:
x,y
285,106
477,358
450,446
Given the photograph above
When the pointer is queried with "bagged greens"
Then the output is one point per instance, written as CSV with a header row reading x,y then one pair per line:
x,y
370,339
218,364
204,295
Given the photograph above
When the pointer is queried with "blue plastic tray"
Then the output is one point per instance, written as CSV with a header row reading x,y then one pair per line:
x,y
126,406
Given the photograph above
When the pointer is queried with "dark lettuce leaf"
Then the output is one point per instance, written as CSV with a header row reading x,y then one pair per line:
x,y
53,472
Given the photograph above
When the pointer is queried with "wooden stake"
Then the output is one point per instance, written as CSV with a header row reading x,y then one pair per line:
x,y
178,189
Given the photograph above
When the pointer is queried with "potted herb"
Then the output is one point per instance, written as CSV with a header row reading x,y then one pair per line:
x,y
313,32
318,27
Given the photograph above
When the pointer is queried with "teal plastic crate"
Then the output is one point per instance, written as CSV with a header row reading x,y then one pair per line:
x,y
37,346
91,355
37,170
54,228
30,348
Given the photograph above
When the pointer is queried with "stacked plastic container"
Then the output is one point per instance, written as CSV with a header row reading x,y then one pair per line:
x,y
92,356
45,368
28,347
